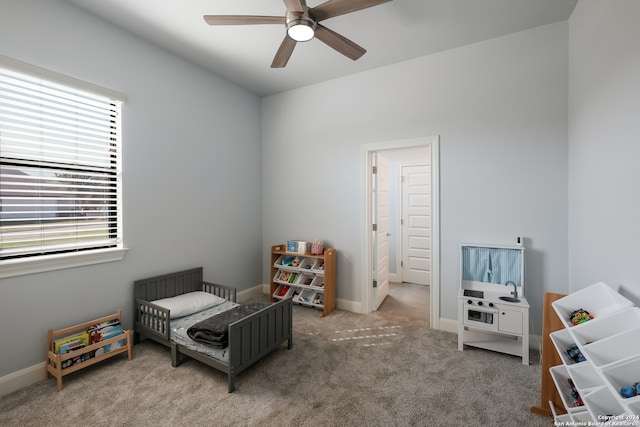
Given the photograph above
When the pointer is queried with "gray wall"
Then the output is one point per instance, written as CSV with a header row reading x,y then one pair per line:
x,y
604,145
500,108
191,174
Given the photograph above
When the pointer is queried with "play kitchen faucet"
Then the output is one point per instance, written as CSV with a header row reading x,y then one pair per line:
x,y
515,288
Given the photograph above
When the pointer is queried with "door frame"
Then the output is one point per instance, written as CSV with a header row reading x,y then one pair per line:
x,y
366,152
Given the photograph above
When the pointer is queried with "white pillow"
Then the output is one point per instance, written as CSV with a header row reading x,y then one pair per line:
x,y
189,303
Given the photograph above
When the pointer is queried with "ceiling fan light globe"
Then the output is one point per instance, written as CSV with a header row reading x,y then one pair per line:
x,y
301,31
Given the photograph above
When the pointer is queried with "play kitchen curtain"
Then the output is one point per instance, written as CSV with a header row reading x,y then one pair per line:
x,y
491,265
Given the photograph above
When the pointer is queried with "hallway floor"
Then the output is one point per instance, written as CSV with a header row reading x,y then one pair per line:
x,y
408,300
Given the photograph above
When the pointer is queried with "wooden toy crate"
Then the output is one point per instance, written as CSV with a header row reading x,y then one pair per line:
x,y
55,361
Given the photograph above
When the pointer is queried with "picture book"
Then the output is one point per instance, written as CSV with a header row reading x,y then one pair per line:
x,y
104,331
110,347
70,341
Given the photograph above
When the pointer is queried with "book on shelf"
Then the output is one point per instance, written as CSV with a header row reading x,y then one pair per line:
x,y
62,345
77,359
110,347
70,344
104,331
73,345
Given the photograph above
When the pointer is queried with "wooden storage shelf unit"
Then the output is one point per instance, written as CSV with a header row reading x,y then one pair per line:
x,y
323,281
55,361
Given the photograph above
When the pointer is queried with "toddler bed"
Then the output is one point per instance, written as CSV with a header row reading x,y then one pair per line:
x,y
167,306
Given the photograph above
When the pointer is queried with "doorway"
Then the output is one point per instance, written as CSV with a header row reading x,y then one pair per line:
x,y
428,148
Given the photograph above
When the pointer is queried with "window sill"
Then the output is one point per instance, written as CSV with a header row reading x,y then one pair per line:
x,y
22,266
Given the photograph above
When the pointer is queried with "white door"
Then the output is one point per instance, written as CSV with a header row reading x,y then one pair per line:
x,y
380,198
416,224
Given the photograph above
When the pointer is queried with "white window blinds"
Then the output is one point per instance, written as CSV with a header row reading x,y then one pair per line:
x,y
60,188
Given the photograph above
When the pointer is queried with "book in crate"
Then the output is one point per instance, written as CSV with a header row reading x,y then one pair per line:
x,y
93,334
72,343
104,331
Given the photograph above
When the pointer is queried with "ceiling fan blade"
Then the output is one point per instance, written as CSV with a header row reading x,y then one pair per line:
x,y
339,43
339,7
242,20
284,52
294,5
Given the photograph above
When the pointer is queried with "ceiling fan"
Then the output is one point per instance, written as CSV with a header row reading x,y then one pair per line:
x,y
303,24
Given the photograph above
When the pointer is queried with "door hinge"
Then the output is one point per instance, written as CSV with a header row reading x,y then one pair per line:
x,y
375,283
375,227
375,169
401,263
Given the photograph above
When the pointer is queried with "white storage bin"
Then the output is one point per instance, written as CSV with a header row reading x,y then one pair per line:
x,y
562,341
283,291
622,374
286,276
306,296
318,266
591,331
598,299
561,378
582,417
306,264
585,377
634,408
278,262
318,299
616,348
305,279
318,282
602,403
289,262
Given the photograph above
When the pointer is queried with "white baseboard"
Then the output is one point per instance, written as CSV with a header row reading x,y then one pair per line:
x,y
448,325
252,293
348,305
23,378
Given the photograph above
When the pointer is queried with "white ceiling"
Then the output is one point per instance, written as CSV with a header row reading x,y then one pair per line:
x,y
391,32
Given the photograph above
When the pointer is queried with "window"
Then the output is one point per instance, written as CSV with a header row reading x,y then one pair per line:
x,y
60,175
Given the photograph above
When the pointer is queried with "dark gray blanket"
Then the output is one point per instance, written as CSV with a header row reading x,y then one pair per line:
x,y
214,331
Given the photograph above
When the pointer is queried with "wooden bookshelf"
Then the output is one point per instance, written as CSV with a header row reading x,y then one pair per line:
x,y
297,288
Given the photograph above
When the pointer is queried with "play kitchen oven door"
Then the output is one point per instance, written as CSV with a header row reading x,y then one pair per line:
x,y
481,317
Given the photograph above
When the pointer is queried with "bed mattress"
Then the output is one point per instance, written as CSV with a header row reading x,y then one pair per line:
x,y
180,325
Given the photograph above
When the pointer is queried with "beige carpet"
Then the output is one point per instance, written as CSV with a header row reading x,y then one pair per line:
x,y
344,370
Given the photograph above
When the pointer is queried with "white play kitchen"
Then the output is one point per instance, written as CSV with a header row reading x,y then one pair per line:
x,y
493,312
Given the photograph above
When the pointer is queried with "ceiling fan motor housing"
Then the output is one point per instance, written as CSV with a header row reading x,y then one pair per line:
x,y
304,20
